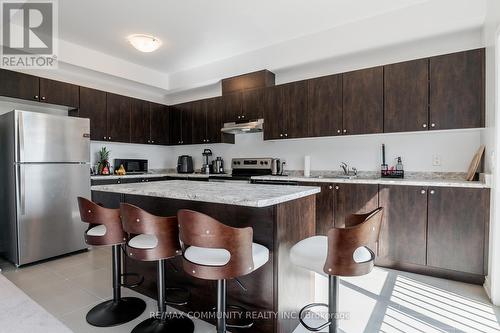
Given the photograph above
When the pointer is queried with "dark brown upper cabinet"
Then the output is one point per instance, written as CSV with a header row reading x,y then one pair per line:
x,y
353,199
118,117
363,101
206,120
457,229
214,119
93,106
198,111
160,126
325,106
406,96
59,93
253,104
286,111
140,121
181,124
457,90
232,107
19,85
403,234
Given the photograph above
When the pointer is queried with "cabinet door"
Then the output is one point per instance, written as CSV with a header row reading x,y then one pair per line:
x,y
139,121
198,110
19,85
457,90
160,124
457,219
93,106
324,207
294,109
187,125
363,95
176,125
213,118
118,108
231,106
404,226
406,95
325,106
273,114
354,199
59,93
253,104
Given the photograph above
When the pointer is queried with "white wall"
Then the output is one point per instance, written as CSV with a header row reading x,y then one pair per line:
x,y
491,139
455,149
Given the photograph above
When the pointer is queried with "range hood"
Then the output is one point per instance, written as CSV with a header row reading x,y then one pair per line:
x,y
243,128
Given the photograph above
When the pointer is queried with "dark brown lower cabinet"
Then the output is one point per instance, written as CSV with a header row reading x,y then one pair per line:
x,y
324,207
354,199
404,226
457,229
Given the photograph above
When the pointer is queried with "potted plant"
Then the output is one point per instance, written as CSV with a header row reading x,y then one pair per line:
x,y
103,164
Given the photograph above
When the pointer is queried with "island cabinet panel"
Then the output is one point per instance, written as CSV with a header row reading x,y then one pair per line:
x,y
118,117
93,106
457,229
140,121
457,90
19,85
267,289
363,101
324,207
324,100
59,93
353,199
403,234
406,96
160,124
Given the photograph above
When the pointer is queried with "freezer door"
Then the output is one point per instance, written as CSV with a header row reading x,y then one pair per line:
x,y
48,216
44,138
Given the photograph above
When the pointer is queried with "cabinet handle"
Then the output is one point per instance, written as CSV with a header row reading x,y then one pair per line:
x,y
433,125
345,131
35,97
109,138
118,182
149,141
424,125
336,187
286,134
104,138
339,131
152,141
147,180
239,117
432,191
242,117
142,180
208,140
423,191
281,135
330,187
43,98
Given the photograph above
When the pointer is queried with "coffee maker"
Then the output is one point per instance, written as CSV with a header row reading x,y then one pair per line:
x,y
205,168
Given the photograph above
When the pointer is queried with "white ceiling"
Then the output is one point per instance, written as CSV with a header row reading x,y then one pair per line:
x,y
199,32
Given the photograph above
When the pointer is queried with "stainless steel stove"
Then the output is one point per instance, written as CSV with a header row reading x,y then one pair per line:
x,y
245,168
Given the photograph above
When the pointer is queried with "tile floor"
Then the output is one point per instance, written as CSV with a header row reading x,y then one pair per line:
x,y
382,301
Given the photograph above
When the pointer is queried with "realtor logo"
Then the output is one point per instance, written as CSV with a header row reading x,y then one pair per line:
x,y
29,34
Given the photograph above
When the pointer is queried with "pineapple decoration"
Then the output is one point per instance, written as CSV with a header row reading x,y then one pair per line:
x,y
103,164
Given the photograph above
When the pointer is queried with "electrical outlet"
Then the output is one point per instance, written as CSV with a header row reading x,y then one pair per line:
x,y
436,160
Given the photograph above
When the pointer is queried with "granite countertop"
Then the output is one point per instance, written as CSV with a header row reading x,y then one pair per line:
x,y
250,195
410,181
158,174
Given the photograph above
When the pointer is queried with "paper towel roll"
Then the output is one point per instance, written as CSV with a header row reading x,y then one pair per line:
x,y
307,166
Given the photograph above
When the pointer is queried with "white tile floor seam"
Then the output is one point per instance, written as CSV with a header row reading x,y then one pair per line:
x,y
384,301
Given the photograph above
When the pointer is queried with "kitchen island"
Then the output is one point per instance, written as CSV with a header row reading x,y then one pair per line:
x,y
279,215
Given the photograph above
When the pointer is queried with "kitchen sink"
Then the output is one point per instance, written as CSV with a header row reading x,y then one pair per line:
x,y
335,176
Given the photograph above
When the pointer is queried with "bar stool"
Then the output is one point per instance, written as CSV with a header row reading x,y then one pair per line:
x,y
105,229
344,252
214,251
155,238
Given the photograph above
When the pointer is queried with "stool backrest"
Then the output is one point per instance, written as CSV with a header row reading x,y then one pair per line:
x,y
197,229
137,221
361,231
95,215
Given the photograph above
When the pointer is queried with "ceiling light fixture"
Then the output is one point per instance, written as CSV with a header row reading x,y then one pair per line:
x,y
144,43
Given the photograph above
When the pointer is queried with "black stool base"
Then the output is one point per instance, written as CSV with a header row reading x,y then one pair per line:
x,y
174,324
112,313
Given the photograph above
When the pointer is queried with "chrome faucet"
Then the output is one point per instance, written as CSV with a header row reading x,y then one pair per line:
x,y
348,171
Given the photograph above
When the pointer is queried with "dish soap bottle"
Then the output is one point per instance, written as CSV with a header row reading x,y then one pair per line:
x,y
399,165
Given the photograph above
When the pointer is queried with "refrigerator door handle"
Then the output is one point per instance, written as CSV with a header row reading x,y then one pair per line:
x,y
22,190
21,136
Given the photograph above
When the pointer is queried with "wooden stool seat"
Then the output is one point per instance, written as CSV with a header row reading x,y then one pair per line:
x,y
155,238
345,252
105,229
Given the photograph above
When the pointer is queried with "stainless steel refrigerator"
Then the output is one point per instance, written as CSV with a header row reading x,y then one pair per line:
x,y
44,166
